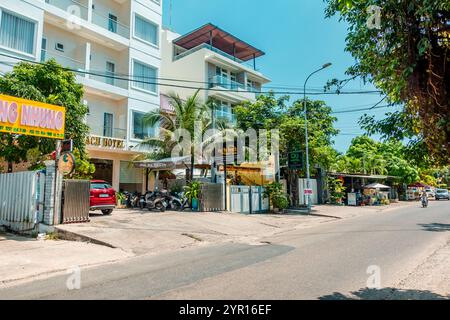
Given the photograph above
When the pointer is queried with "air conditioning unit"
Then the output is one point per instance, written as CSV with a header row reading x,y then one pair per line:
x,y
59,47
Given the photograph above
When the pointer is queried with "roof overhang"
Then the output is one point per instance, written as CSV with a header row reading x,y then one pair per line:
x,y
220,39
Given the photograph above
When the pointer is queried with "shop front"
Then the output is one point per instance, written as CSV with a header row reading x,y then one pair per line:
x,y
114,163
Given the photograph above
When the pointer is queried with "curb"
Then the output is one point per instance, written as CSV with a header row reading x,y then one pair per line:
x,y
72,236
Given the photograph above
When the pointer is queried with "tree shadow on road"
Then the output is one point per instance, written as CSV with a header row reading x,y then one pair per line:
x,y
386,294
436,227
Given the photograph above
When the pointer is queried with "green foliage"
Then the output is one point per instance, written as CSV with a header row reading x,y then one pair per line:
x,y
48,83
383,158
192,190
337,190
274,191
84,169
271,113
407,58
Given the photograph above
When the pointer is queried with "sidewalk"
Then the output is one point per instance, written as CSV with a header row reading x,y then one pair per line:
x,y
128,233
25,258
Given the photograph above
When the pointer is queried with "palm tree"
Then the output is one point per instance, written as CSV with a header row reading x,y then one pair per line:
x,y
187,113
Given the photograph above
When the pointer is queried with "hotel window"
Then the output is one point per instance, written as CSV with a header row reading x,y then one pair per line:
x,y
145,30
140,129
145,77
17,33
112,23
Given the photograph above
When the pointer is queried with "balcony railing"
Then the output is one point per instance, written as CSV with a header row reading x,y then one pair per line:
x,y
220,81
71,6
108,132
109,78
110,24
63,60
81,10
218,114
207,46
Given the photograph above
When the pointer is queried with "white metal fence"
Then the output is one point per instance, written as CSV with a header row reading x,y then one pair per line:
x,y
248,199
21,200
302,183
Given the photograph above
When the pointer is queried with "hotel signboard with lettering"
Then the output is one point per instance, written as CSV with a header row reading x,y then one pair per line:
x,y
31,118
105,142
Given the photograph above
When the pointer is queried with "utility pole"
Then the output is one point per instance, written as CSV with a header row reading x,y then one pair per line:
x,y
308,178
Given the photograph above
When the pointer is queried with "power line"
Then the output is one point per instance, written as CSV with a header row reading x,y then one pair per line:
x,y
109,76
363,109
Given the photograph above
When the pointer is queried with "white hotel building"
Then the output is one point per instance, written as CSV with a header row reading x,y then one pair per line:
x,y
105,37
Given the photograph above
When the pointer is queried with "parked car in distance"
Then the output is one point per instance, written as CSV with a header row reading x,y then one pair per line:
x,y
442,194
102,197
430,193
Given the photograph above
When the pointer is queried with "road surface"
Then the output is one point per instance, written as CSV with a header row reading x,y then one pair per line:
x,y
329,261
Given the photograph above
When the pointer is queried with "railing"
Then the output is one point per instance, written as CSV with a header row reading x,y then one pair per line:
x,y
108,132
110,24
225,115
65,61
109,78
207,46
219,81
71,6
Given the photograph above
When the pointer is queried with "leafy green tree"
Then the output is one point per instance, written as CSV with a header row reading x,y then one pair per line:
x,y
48,83
407,57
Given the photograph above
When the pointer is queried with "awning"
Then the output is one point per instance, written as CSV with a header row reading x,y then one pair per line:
x,y
220,39
164,164
376,186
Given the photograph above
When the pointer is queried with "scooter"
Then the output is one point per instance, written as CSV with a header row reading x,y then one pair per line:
x,y
154,200
173,202
424,202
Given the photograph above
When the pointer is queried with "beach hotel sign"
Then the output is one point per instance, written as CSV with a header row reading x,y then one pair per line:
x,y
31,118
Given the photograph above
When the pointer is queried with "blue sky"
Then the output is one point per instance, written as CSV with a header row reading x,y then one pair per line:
x,y
296,38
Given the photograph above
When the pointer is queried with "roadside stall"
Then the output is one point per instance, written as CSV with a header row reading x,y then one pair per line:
x,y
414,191
376,194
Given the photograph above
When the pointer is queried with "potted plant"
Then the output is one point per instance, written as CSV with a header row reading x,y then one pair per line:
x,y
337,191
192,192
278,199
121,198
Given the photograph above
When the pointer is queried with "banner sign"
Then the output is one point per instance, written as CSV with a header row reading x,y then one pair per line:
x,y
31,118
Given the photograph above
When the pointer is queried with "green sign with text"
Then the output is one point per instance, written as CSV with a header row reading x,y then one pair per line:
x,y
295,160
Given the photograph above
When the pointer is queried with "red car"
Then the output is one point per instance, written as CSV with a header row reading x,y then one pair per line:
x,y
103,197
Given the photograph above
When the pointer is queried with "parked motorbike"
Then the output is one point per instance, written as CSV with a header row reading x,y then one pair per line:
x,y
172,201
154,200
134,200
181,202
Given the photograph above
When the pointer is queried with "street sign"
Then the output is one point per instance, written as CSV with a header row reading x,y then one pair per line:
x,y
67,146
295,160
308,192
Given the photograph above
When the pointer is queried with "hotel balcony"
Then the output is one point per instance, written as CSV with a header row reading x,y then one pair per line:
x,y
226,89
110,29
109,132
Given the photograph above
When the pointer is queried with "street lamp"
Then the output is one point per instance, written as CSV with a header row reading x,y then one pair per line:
x,y
308,180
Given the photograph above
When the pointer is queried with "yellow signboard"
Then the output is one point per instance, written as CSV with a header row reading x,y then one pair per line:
x,y
31,118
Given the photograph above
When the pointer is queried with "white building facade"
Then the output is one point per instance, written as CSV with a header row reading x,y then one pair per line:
x,y
214,60
114,46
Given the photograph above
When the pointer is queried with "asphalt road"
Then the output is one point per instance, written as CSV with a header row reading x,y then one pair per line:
x,y
329,261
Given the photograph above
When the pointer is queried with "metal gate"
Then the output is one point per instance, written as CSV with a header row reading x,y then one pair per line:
x,y
75,201
22,200
248,199
212,197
